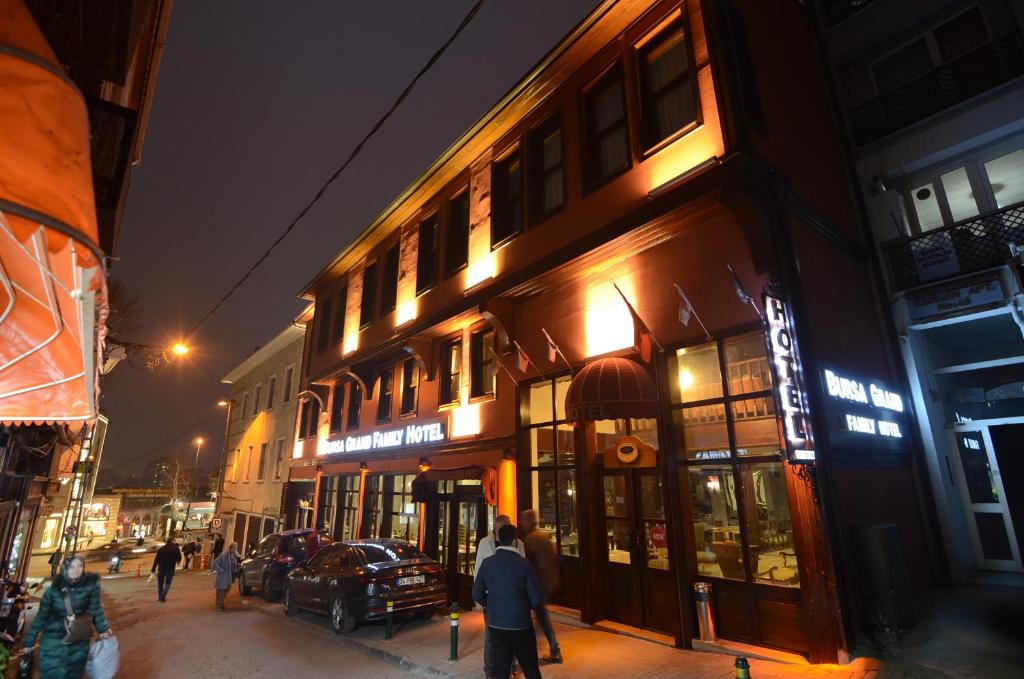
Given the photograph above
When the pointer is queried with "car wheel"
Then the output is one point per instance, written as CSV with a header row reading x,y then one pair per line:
x,y
341,621
288,599
268,592
243,589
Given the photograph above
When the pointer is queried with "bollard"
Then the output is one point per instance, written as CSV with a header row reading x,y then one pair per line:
x,y
388,631
742,668
706,624
454,652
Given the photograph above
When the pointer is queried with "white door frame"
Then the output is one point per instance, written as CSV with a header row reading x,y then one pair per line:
x,y
1000,507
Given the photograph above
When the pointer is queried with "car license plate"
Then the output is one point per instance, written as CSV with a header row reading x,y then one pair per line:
x,y
412,580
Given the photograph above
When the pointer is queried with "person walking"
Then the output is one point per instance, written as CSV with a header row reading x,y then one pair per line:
x,y
55,561
164,563
218,546
186,553
484,550
541,555
507,588
226,567
80,591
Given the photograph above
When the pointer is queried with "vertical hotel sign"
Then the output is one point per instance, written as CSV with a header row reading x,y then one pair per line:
x,y
790,389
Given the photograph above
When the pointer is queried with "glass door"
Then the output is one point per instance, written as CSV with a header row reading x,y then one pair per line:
x,y
981,487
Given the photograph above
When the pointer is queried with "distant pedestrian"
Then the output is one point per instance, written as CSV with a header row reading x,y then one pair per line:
x,y
226,567
186,552
79,591
164,563
218,545
486,549
54,561
89,537
507,588
541,554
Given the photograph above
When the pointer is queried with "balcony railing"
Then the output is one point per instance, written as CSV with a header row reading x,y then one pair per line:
x,y
965,247
981,69
838,11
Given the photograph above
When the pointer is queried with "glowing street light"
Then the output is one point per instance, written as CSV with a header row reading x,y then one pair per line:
x,y
222,403
179,349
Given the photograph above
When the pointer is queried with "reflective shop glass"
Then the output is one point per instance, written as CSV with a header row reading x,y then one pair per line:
x,y
716,524
769,527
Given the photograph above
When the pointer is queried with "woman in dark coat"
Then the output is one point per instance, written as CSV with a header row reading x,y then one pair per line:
x,y
58,660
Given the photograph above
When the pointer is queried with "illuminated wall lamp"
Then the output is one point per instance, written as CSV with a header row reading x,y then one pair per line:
x,y
681,179
424,464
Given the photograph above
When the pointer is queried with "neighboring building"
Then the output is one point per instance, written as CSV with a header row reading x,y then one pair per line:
x,y
260,437
656,145
78,80
932,96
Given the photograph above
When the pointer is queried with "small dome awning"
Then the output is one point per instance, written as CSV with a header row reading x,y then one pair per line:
x,y
611,389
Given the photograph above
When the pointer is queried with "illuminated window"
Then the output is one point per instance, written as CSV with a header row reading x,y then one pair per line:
x,y
547,180
389,282
456,234
384,394
484,375
369,298
451,372
667,103
410,386
606,142
427,254
506,198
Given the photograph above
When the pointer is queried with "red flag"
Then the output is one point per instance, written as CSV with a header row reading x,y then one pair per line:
x,y
643,338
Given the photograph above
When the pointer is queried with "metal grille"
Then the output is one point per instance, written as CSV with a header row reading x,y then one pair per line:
x,y
965,247
111,130
979,70
838,11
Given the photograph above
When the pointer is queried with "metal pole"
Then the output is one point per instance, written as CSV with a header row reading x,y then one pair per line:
x,y
388,630
453,654
223,459
188,505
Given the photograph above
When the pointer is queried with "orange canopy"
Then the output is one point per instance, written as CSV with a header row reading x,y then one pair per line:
x,y
51,269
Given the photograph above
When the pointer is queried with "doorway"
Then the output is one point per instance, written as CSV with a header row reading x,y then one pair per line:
x,y
980,475
460,519
637,569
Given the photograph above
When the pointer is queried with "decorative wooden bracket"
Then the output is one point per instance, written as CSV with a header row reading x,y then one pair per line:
x,y
361,376
421,349
501,315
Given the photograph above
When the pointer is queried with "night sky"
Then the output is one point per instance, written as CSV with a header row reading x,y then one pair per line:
x,y
256,105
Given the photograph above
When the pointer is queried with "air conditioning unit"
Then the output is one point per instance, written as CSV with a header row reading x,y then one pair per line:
x,y
884,576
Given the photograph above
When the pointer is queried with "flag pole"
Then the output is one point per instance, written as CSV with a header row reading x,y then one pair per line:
x,y
742,294
558,350
505,368
528,359
633,311
693,310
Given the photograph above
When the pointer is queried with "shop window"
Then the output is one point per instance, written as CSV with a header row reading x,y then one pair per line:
x,y
369,297
337,405
286,393
1006,177
384,394
256,400
348,508
338,317
323,323
355,402
373,505
667,103
550,439
279,458
547,178
410,386
606,142
427,254
731,452
271,389
506,198
456,234
451,372
261,471
484,374
402,520
389,282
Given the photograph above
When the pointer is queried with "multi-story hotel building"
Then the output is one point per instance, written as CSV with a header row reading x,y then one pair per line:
x,y
547,319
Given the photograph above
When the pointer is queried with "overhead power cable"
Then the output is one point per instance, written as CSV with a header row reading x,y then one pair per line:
x,y
348,161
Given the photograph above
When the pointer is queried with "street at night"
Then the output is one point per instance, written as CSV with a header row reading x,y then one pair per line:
x,y
647,338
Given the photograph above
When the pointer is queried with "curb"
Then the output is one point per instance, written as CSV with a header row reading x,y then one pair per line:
x,y
406,663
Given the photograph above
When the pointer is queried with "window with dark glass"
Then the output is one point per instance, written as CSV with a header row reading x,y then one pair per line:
x,y
389,284
337,404
384,394
731,461
410,386
667,103
373,506
244,412
456,234
369,299
506,198
311,410
427,254
323,324
286,393
401,518
279,458
348,508
256,400
451,372
338,317
355,402
551,441
547,183
261,471
606,143
484,373
304,418
271,388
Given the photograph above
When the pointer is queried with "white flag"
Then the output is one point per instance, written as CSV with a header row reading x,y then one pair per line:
x,y
685,308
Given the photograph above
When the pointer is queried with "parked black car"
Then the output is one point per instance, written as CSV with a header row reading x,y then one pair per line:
x,y
352,582
268,564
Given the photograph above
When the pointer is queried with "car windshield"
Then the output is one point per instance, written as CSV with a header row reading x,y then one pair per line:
x,y
392,551
295,544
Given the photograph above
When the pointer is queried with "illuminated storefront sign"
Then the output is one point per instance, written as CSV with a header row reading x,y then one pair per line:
x,y
386,439
862,413
789,381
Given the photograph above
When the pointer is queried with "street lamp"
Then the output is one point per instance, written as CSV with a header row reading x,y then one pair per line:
x,y
229,404
199,441
179,348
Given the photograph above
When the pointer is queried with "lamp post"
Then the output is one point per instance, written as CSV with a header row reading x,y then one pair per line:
x,y
188,507
229,404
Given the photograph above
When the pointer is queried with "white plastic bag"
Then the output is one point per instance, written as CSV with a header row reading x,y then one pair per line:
x,y
104,658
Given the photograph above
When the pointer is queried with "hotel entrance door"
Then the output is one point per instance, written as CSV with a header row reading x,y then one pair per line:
x,y
460,519
639,587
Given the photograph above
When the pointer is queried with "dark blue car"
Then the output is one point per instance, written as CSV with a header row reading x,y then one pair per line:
x,y
266,567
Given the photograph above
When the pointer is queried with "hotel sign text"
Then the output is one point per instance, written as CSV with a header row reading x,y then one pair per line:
x,y
862,413
790,391
409,436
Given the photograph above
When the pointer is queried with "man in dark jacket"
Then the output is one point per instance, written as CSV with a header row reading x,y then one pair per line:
x,y
541,555
164,563
218,546
507,589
